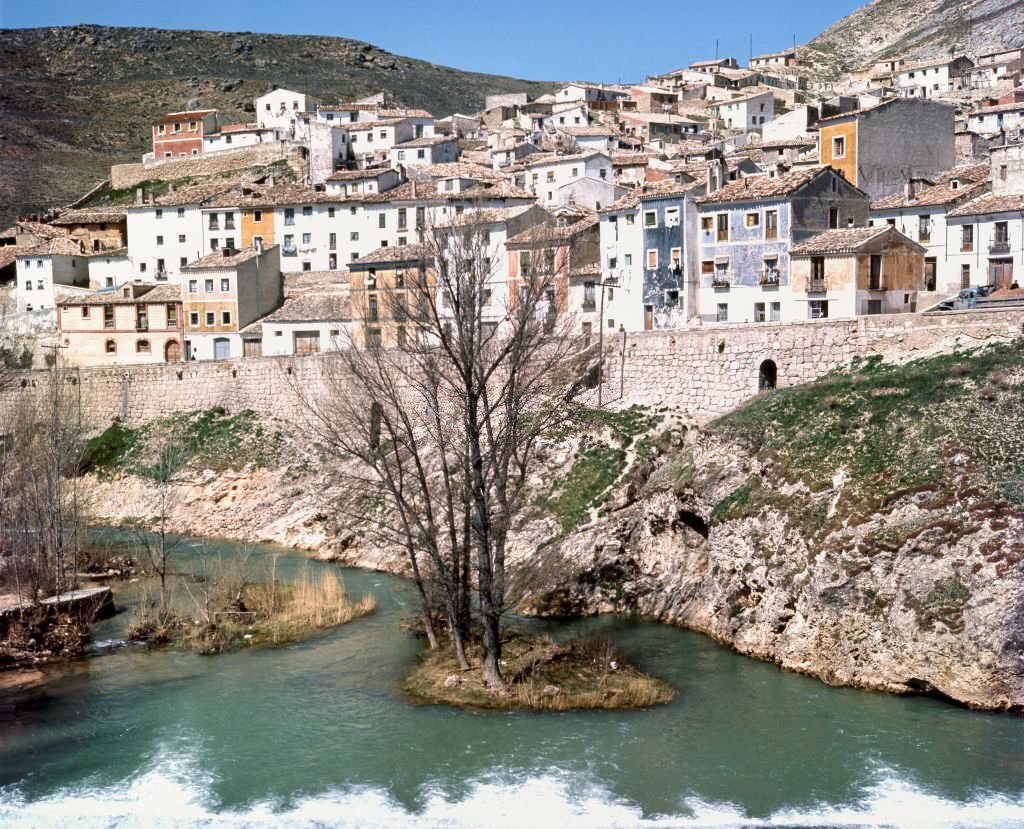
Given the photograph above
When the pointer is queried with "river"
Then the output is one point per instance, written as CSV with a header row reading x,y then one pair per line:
x,y
318,734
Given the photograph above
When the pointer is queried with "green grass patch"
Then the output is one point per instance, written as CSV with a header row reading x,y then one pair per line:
x,y
596,467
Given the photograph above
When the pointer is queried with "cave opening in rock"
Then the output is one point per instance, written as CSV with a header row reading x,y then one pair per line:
x,y
693,521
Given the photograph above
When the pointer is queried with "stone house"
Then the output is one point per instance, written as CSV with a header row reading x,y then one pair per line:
x,y
133,324
96,229
309,322
921,212
857,271
879,148
648,258
389,287
745,233
222,293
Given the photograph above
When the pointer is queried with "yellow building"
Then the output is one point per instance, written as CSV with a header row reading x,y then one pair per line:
x,y
389,288
133,324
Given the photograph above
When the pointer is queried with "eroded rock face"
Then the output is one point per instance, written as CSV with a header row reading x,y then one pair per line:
x,y
906,600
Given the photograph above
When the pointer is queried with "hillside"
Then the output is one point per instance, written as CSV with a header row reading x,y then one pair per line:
x,y
78,98
917,28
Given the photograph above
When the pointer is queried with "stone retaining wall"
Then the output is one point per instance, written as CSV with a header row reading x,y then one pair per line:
x,y
705,372
128,175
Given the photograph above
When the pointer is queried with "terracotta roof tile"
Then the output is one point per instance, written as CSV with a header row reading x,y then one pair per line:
x,y
754,188
991,203
218,260
392,254
843,240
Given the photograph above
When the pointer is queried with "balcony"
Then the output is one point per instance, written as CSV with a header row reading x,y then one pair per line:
x,y
214,225
589,305
289,250
1000,247
142,325
816,284
229,224
770,278
721,281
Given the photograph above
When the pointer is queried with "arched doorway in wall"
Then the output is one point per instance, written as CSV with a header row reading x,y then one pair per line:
x,y
767,376
172,351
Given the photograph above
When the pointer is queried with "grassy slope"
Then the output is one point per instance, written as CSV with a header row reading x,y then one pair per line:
x,y
946,427
78,98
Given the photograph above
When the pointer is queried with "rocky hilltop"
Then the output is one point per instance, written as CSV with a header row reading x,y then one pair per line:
x,y
917,29
866,529
78,98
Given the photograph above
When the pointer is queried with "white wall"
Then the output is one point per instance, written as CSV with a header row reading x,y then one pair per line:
x,y
279,337
37,276
146,224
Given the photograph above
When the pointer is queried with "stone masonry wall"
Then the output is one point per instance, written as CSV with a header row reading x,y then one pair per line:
x,y
704,372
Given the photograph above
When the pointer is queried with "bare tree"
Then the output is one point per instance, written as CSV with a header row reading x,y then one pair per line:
x,y
443,425
153,536
40,451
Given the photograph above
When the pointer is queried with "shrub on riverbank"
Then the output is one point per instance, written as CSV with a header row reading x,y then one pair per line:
x,y
254,615
543,675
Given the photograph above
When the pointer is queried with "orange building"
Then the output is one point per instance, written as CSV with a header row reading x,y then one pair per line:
x,y
551,251
180,134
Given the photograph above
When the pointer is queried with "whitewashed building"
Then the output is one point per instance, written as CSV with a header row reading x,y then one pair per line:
x,y
42,267
280,108
545,174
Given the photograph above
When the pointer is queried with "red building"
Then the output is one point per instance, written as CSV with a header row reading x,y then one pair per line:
x,y
180,134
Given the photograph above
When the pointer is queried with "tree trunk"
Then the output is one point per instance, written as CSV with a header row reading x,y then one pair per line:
x,y
490,664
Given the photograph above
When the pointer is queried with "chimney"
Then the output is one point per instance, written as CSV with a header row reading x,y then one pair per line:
x,y
227,252
910,189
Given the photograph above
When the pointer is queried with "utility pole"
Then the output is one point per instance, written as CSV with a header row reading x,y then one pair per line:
x,y
55,348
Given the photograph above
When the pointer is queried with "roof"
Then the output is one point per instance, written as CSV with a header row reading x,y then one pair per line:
x,y
178,116
314,306
492,215
843,240
261,195
90,216
928,64
756,188
461,169
359,175
392,255
550,232
115,296
648,192
425,141
218,260
553,158
991,203
190,194
404,113
8,253
739,99
656,117
973,178
997,108
782,54
59,246
580,132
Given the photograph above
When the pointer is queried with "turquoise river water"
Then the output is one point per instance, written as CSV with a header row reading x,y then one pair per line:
x,y
318,734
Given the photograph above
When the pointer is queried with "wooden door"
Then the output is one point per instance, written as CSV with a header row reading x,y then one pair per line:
x,y
648,317
172,351
1002,272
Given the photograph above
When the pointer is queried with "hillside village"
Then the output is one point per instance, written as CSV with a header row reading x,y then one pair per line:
x,y
713,194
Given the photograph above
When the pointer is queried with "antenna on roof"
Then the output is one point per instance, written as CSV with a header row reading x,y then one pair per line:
x,y
716,48
750,49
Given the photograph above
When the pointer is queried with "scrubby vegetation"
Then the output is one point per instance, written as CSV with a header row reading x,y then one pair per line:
x,y
934,427
208,437
229,612
542,675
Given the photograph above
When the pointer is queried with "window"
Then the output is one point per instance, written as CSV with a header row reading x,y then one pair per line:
x,y
181,212
182,261
108,316
181,238
354,236
110,347
630,219
722,312
967,238
159,240
753,219
382,220
603,172
612,262
214,243
257,216
193,319
706,224
172,316
875,273
28,284
142,267
210,318
402,218
965,276
833,217
775,311
650,218
839,147
524,263
225,284
924,228
307,210
289,215
159,213
723,227
208,286
817,309
771,224
85,312
759,312
874,306
332,241
1002,236
193,287
575,172
652,259
307,238
817,273
142,346
225,318
161,129
707,266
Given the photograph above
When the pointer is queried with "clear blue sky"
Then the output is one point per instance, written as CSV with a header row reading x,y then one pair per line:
x,y
536,39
